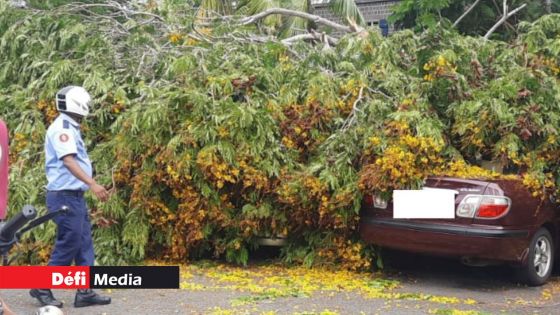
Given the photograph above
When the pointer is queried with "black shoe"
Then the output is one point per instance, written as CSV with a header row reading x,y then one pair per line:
x,y
87,297
45,297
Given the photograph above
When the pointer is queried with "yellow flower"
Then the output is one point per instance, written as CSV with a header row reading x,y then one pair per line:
x,y
175,37
441,61
375,140
191,42
235,172
223,132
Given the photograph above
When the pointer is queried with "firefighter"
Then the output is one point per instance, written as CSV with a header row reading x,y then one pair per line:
x,y
69,176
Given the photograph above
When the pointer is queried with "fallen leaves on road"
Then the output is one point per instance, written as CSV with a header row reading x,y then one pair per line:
x,y
269,282
455,312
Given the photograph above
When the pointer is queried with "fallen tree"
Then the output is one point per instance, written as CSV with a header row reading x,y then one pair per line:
x,y
214,140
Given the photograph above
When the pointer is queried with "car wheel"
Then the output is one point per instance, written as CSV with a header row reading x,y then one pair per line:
x,y
540,260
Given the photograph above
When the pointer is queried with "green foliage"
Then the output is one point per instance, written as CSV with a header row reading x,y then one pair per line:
x,y
425,13
282,25
422,14
213,146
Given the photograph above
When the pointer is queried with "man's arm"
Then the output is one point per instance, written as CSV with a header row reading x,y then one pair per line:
x,y
99,191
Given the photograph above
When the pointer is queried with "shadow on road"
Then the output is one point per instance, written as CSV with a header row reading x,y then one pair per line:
x,y
444,272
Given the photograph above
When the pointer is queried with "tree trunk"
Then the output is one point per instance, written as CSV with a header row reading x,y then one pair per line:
x,y
548,6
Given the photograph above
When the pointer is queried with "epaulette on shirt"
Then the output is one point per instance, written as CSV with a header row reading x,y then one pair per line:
x,y
65,124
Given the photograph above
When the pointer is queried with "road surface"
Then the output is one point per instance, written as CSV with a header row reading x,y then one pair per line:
x,y
411,285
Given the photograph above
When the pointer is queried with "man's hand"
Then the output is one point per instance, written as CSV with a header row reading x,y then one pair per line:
x,y
99,191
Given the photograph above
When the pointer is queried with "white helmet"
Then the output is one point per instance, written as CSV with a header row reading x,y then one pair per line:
x,y
73,99
49,310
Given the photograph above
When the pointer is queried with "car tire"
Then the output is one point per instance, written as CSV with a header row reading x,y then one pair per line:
x,y
540,260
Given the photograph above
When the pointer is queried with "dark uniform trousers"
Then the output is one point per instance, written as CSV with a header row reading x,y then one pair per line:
x,y
73,241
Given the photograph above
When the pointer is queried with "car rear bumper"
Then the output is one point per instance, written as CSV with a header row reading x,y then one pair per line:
x,y
481,242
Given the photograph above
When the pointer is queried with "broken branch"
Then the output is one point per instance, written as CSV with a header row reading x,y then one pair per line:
x,y
317,19
466,13
310,36
506,15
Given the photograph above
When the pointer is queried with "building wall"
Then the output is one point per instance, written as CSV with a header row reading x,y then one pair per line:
x,y
372,10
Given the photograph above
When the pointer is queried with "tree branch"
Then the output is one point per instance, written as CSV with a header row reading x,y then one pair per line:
x,y
505,16
314,18
116,6
352,117
299,37
466,13
314,36
548,6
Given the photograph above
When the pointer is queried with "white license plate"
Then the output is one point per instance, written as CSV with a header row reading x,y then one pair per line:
x,y
428,203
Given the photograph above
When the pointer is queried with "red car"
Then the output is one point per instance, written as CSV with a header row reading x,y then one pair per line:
x,y
495,221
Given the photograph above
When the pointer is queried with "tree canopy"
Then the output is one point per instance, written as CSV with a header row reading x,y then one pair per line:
x,y
215,135
421,14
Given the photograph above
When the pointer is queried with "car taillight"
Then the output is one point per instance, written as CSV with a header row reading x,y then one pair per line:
x,y
379,202
375,201
493,207
484,207
468,206
368,199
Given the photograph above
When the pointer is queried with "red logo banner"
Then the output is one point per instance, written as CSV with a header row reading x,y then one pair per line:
x,y
83,277
44,277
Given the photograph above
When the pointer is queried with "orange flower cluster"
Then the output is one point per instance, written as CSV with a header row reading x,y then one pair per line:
x,y
19,143
349,254
215,169
406,161
350,90
312,204
118,107
253,178
300,122
179,204
461,169
439,67
192,214
48,109
552,65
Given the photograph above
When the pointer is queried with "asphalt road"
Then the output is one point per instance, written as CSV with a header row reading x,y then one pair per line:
x,y
411,285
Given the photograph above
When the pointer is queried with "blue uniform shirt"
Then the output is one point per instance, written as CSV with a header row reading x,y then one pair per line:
x,y
64,138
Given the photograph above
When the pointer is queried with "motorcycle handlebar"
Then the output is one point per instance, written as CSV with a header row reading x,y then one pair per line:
x,y
8,230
